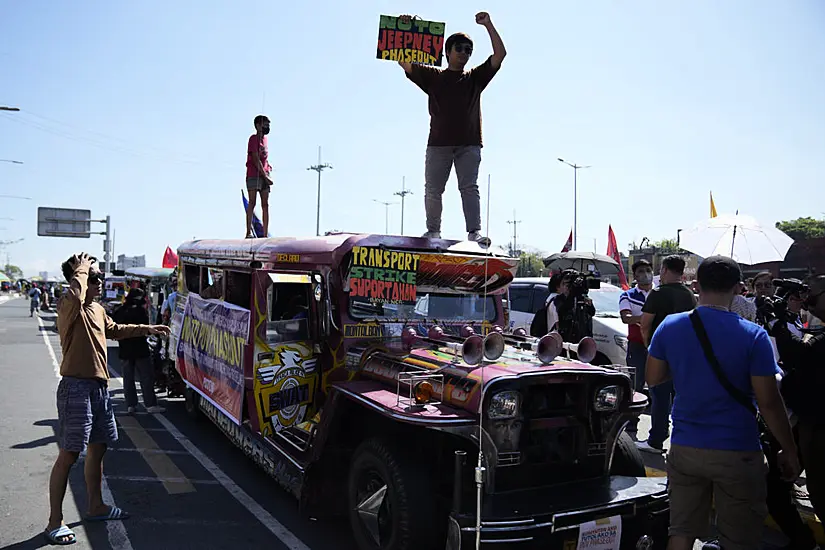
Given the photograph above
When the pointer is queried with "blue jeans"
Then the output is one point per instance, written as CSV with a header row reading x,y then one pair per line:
x,y
661,397
636,358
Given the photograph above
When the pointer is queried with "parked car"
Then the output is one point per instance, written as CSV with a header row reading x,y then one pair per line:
x,y
528,294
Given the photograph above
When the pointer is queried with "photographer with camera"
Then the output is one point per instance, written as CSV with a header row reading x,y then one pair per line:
x,y
546,318
803,360
576,311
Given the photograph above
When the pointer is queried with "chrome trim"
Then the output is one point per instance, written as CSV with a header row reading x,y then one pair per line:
x,y
514,522
511,528
499,541
410,419
610,373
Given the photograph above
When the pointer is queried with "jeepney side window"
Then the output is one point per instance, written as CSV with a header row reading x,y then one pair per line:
x,y
192,277
238,288
288,319
212,283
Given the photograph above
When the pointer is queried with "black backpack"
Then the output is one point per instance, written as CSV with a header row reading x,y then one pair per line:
x,y
538,327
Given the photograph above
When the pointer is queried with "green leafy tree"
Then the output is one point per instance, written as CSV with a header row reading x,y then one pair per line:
x,y
802,228
667,245
530,264
13,271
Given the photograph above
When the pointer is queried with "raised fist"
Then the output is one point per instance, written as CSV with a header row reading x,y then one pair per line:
x,y
483,18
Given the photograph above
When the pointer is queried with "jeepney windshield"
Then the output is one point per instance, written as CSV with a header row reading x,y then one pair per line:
x,y
458,307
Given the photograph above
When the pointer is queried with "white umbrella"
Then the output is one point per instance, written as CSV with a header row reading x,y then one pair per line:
x,y
739,237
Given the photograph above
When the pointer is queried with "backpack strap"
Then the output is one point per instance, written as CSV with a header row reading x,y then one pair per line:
x,y
732,390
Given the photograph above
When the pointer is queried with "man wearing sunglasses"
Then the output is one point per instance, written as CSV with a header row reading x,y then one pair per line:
x,y
86,420
804,359
455,125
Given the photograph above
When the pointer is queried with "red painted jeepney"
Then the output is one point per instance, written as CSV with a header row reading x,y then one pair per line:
x,y
368,376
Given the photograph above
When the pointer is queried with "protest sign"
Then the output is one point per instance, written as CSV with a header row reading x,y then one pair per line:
x,y
382,276
601,534
210,351
410,39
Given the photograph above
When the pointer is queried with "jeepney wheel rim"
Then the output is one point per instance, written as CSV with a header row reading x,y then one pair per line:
x,y
374,507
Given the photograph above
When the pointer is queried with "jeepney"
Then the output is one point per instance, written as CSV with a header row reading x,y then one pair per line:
x,y
368,375
153,281
114,293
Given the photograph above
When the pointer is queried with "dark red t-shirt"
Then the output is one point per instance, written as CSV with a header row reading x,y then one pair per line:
x,y
455,102
257,144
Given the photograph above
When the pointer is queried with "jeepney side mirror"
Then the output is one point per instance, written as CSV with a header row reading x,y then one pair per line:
x,y
318,296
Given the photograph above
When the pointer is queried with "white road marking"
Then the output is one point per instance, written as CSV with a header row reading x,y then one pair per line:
x,y
115,529
144,479
274,526
148,451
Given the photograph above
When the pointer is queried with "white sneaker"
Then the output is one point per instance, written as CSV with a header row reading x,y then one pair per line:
x,y
155,409
646,447
432,235
475,236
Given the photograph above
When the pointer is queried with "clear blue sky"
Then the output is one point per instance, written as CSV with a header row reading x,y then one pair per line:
x,y
142,110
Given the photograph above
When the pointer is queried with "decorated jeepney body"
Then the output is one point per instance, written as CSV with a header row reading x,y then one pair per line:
x,y
368,375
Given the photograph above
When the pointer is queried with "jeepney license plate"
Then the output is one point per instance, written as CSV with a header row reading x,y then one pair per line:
x,y
601,534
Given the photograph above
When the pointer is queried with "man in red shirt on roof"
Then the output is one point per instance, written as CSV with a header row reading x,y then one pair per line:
x,y
257,173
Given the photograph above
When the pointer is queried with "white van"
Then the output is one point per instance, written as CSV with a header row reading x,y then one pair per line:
x,y
528,294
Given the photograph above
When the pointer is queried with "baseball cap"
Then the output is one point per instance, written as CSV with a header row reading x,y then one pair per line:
x,y
718,273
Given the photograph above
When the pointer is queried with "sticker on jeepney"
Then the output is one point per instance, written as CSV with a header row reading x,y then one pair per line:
x,y
284,386
601,534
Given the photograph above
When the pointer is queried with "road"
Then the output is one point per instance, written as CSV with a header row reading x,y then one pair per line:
x,y
185,485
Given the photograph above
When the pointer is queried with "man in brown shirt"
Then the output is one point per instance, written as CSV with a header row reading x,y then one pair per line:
x,y
84,409
455,125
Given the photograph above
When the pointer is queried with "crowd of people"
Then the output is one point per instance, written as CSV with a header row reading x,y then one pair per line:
x,y
738,369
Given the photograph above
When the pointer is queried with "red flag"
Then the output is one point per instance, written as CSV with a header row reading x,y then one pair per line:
x,y
613,252
569,244
170,259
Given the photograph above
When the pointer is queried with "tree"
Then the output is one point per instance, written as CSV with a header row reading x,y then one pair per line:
x,y
13,271
802,228
667,245
530,264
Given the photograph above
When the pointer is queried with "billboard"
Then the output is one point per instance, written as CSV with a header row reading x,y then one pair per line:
x,y
63,222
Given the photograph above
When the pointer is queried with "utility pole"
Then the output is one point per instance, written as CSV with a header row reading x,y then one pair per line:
x,y
386,214
319,168
514,223
576,168
403,193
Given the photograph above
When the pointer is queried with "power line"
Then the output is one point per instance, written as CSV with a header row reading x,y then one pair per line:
x,y
319,168
403,193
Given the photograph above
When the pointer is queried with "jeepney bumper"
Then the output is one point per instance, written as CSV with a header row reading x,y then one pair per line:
x,y
549,518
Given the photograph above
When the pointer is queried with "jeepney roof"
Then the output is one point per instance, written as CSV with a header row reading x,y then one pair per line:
x,y
149,272
329,249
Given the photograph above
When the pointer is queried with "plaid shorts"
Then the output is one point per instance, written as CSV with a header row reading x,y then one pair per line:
x,y
84,414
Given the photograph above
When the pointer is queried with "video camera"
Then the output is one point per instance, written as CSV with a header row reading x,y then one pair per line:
x,y
776,306
581,283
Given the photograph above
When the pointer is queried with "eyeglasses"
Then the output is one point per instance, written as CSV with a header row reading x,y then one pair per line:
x,y
463,48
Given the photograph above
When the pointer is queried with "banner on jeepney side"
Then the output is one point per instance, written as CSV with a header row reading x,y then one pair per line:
x,y
413,40
382,276
211,349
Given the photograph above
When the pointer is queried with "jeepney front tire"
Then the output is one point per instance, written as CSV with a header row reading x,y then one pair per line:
x,y
407,516
627,459
192,402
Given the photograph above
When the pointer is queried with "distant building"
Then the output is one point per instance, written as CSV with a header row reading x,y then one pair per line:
x,y
126,262
805,258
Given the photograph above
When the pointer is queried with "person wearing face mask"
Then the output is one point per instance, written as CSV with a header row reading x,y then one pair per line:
x,y
631,303
258,180
804,361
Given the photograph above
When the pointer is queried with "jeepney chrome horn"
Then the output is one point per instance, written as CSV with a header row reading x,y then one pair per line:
x,y
547,348
585,349
471,349
494,342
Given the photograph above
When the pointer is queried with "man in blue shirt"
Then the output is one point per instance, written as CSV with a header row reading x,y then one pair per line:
x,y
715,448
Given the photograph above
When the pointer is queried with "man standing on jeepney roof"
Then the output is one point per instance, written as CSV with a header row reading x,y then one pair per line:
x,y
455,125
258,169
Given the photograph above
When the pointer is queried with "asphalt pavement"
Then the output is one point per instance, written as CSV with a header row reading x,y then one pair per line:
x,y
184,484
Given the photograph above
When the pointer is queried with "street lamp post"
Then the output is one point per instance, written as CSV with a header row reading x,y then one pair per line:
x,y
576,168
319,168
403,193
386,214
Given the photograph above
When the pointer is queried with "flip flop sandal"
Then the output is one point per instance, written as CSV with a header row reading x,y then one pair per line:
x,y
54,535
115,513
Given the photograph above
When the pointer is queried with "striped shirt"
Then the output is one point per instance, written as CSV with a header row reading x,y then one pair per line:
x,y
633,300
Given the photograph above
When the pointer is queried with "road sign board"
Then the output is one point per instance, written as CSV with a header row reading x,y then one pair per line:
x,y
63,222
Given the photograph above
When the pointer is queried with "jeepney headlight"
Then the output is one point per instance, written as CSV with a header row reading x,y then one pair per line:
x,y
503,405
607,398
